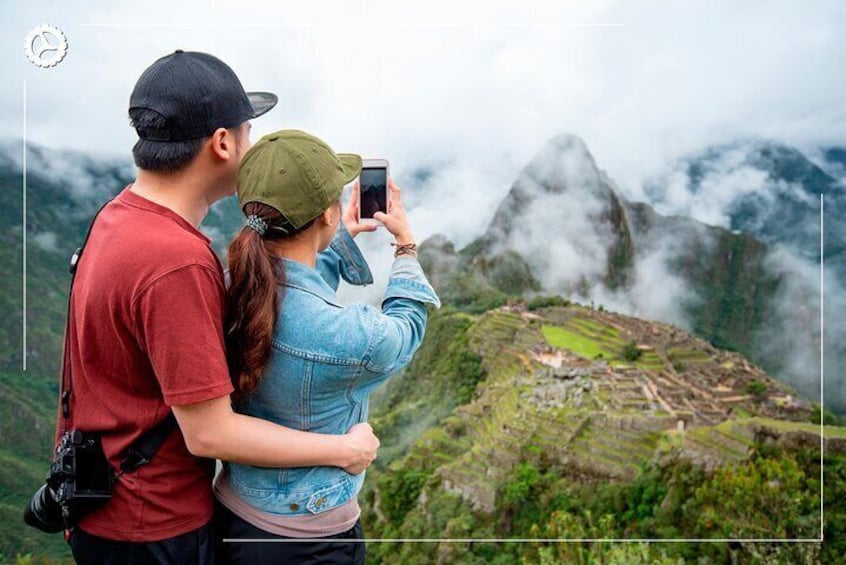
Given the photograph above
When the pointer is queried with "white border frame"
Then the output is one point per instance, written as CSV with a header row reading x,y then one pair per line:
x,y
820,540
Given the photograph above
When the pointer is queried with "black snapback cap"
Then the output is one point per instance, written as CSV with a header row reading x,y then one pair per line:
x,y
194,93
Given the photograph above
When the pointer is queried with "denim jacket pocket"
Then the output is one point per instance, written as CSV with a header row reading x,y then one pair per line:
x,y
329,497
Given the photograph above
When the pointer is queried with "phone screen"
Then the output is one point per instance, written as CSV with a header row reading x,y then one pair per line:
x,y
373,184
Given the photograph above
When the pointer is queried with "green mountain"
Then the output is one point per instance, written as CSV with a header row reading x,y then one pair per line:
x,y
563,421
564,229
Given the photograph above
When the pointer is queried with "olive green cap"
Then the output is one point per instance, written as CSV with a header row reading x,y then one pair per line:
x,y
296,173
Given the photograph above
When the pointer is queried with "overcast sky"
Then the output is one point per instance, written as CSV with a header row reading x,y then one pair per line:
x,y
473,88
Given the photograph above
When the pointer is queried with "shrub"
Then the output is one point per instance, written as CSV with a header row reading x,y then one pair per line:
x,y
829,418
631,352
399,491
757,388
545,301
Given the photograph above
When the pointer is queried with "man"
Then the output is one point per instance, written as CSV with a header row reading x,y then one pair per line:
x,y
145,326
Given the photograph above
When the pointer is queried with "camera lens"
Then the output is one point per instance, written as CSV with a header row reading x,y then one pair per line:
x,y
44,512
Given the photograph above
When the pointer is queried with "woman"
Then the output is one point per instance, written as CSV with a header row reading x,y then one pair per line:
x,y
300,358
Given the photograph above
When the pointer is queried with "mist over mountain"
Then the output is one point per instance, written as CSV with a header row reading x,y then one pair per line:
x,y
763,188
564,215
833,161
773,192
745,279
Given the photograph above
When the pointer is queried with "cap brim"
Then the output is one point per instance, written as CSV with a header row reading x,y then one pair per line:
x,y
352,165
262,102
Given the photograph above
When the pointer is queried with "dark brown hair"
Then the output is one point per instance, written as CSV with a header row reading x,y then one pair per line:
x,y
252,303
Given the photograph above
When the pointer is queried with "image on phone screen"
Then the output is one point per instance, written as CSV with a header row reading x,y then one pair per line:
x,y
373,185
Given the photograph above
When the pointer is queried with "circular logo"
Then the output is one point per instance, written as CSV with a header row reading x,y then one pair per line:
x,y
45,46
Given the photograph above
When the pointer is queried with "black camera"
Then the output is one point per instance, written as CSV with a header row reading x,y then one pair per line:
x,y
80,480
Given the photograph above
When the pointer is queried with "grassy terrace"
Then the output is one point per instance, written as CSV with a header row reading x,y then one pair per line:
x,y
732,438
688,355
838,432
619,452
577,343
591,340
650,360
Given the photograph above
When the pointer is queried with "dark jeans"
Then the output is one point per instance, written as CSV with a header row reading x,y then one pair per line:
x,y
230,526
195,548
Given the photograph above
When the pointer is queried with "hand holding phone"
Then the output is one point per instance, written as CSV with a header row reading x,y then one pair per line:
x,y
395,221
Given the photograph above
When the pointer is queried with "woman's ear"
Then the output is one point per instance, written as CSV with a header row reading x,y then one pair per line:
x,y
328,216
332,214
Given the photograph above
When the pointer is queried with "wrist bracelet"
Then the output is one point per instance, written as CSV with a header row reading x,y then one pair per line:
x,y
405,249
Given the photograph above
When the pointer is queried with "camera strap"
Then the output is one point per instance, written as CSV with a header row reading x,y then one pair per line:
x,y
67,382
141,451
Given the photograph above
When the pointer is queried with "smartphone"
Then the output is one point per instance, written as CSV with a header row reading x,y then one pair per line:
x,y
373,189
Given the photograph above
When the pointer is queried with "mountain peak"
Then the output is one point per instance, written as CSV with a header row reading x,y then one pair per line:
x,y
567,142
562,194
563,163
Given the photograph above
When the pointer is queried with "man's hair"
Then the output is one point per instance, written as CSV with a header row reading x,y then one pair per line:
x,y
161,156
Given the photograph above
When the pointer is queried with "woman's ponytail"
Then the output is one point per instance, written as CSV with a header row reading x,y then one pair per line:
x,y
254,297
252,307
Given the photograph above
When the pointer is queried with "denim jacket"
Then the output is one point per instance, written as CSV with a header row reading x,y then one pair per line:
x,y
325,361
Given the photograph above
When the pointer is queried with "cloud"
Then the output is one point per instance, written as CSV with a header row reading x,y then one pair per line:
x,y
560,230
559,217
798,308
89,179
477,84
711,197
457,198
656,292
46,240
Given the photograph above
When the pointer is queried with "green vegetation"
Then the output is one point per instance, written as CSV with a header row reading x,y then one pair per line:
x,y
546,301
474,280
577,343
736,292
399,491
471,293
687,356
828,417
592,340
631,352
757,388
772,495
443,375
509,471
27,420
776,497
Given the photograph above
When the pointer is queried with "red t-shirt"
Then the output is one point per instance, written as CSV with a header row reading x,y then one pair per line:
x,y
146,333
